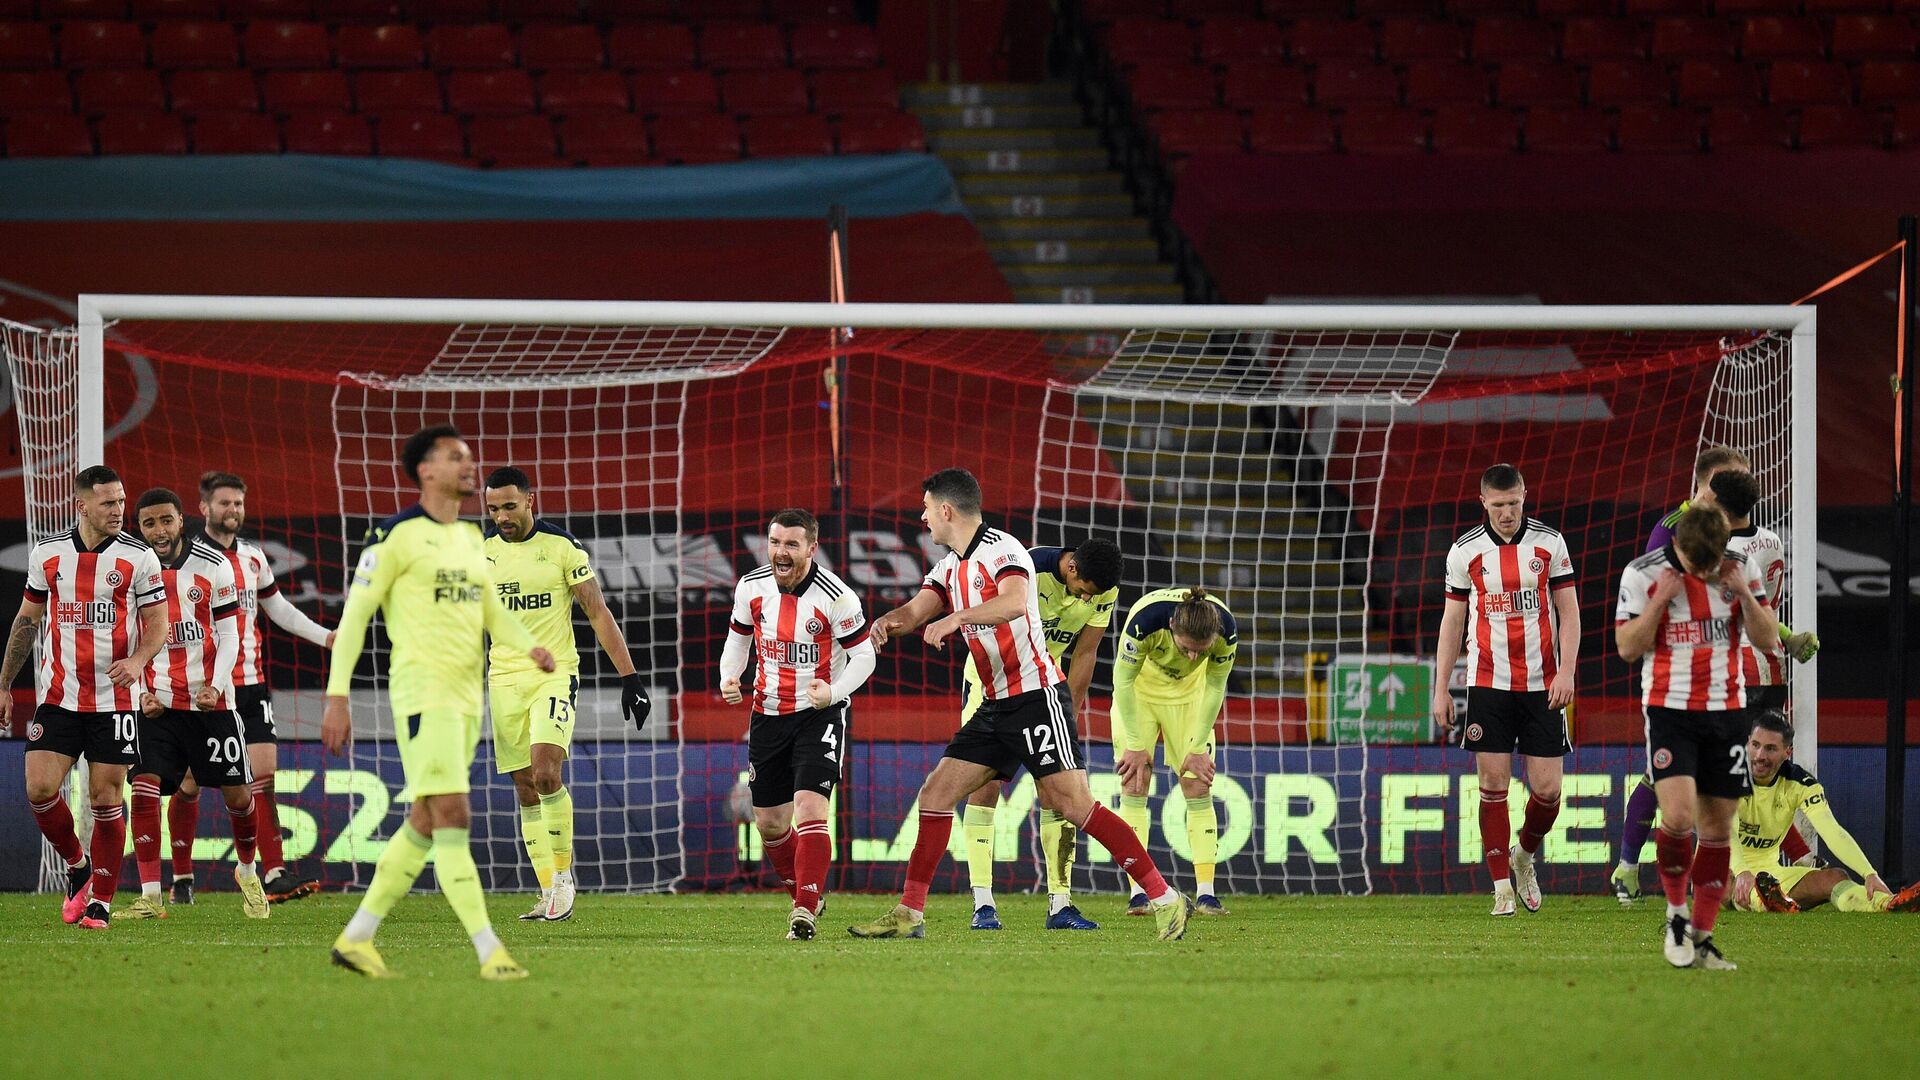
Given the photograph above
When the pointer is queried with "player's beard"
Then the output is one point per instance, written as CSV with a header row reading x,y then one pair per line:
x,y
785,575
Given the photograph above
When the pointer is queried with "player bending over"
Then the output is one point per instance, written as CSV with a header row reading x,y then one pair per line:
x,y
1077,591
425,571
93,652
190,725
810,637
986,581
1684,612
541,571
1781,788
1514,578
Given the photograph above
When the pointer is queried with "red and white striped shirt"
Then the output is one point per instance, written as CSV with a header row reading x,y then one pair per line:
x,y
253,582
200,590
92,597
1695,663
798,636
1011,658
1767,554
1512,635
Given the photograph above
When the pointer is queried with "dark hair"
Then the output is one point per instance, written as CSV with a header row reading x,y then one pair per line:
x,y
93,476
1701,536
508,476
1718,457
1501,477
213,480
795,518
420,444
1195,617
1776,721
1100,562
159,497
1736,491
956,486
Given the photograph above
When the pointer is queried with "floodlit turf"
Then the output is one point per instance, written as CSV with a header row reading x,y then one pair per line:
x,y
705,986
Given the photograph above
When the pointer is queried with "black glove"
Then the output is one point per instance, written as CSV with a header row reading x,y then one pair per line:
x,y
634,701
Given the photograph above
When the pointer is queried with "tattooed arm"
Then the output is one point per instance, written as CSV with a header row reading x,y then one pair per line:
x,y
26,627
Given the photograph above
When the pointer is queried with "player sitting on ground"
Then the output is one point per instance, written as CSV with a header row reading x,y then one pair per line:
x,y
986,580
1780,789
190,725
809,634
541,571
425,571
1077,591
1516,577
1177,648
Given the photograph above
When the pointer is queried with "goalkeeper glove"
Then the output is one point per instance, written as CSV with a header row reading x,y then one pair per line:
x,y
1802,646
634,701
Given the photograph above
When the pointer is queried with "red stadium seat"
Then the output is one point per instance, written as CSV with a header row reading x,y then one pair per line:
x,y
1480,9
703,10
1692,38
660,93
1748,127
650,46
328,133
613,11
1825,127
1874,37
1905,131
512,142
1575,9
1778,37
449,11
35,91
1186,86
108,91
220,90
299,91
1383,130
103,45
1498,40
561,47
363,11
734,46
1249,86
1289,131
835,92
1473,129
1586,40
195,45
1385,9
1402,40
287,45
764,93
695,139
470,45
1150,41
1649,9
1718,82
1227,41
835,45
235,133
804,135
1531,84
66,10
880,133
1799,82
25,46
397,91
1306,9
1314,40
48,135
429,136
490,93
141,133
564,92
1658,129
1622,82
1446,82
1727,9
1180,132
1102,12
605,139
797,11
1568,131
523,11
269,11
1344,83
1217,9
1889,82
1829,7
394,45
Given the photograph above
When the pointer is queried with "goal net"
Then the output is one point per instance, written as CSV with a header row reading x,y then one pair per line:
x,y
1309,466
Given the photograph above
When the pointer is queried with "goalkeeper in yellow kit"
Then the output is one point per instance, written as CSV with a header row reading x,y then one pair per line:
x,y
1169,681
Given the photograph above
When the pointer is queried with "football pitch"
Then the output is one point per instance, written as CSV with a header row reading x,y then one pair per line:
x,y
674,986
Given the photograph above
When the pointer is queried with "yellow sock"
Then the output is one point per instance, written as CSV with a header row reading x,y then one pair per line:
x,y
1203,839
1133,811
1060,841
1852,896
979,829
533,830
460,879
400,863
557,811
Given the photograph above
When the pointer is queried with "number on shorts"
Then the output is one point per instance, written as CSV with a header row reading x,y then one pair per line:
x,y
831,736
223,750
1043,744
124,727
1739,755
560,712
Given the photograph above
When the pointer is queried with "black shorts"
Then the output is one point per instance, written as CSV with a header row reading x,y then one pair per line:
x,y
255,706
208,745
795,751
1710,747
1498,721
1034,729
103,738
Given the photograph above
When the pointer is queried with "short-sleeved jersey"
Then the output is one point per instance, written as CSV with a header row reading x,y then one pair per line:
x,y
253,581
1011,658
798,636
93,596
1062,614
1662,534
535,579
1765,816
1767,554
1508,586
200,589
1695,663
1165,675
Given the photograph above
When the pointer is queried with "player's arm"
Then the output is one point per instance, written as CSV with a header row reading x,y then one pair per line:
x,y
634,702
1086,657
218,692
852,637
1007,605
733,657
1134,756
1566,605
293,620
910,616
373,579
1636,626
505,626
1219,661
1751,592
151,598
1446,653
26,627
1840,843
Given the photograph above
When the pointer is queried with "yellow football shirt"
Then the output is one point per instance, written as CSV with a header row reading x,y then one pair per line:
x,y
1062,614
535,579
1150,668
1767,813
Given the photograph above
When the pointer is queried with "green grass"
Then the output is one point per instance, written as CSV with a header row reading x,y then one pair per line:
x,y
705,986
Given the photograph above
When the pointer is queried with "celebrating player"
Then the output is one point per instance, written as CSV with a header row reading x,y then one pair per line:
x,y
1780,789
1077,590
1169,681
93,655
190,724
223,506
1027,719
1516,578
1684,612
810,636
425,570
541,571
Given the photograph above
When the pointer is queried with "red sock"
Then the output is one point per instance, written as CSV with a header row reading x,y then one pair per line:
x,y
936,828
1538,823
146,828
1793,845
1675,854
183,821
1496,832
56,824
810,865
269,826
781,851
109,849
1709,883
245,828
1117,837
